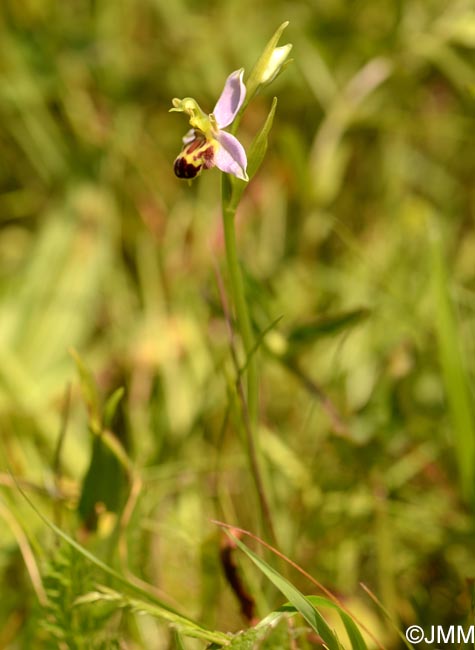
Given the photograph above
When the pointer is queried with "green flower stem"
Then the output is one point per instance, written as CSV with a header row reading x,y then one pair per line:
x,y
242,313
238,297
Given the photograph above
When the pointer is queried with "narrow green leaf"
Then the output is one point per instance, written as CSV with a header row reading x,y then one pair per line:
x,y
298,600
356,638
455,375
255,156
186,626
258,148
259,341
106,479
112,405
89,391
178,640
327,326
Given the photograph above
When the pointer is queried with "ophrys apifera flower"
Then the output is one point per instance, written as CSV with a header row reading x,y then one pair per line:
x,y
207,145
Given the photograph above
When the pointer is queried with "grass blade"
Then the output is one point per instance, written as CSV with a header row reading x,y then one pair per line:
x,y
455,375
301,603
356,638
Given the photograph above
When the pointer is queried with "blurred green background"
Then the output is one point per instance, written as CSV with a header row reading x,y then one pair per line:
x,y
357,233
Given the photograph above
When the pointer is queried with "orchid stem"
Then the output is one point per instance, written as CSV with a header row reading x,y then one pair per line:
x,y
251,396
242,312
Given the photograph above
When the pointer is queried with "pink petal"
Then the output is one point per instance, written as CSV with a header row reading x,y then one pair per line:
x,y
231,99
230,156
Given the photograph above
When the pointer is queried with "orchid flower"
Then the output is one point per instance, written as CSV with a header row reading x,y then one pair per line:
x,y
206,144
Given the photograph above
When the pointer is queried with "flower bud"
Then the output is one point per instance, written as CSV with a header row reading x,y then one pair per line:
x,y
275,63
270,63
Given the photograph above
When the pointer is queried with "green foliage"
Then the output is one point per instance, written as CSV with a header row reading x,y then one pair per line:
x,y
298,600
328,326
104,482
108,475
61,622
139,606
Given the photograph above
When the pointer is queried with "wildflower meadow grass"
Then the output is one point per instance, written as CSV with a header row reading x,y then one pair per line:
x,y
237,318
